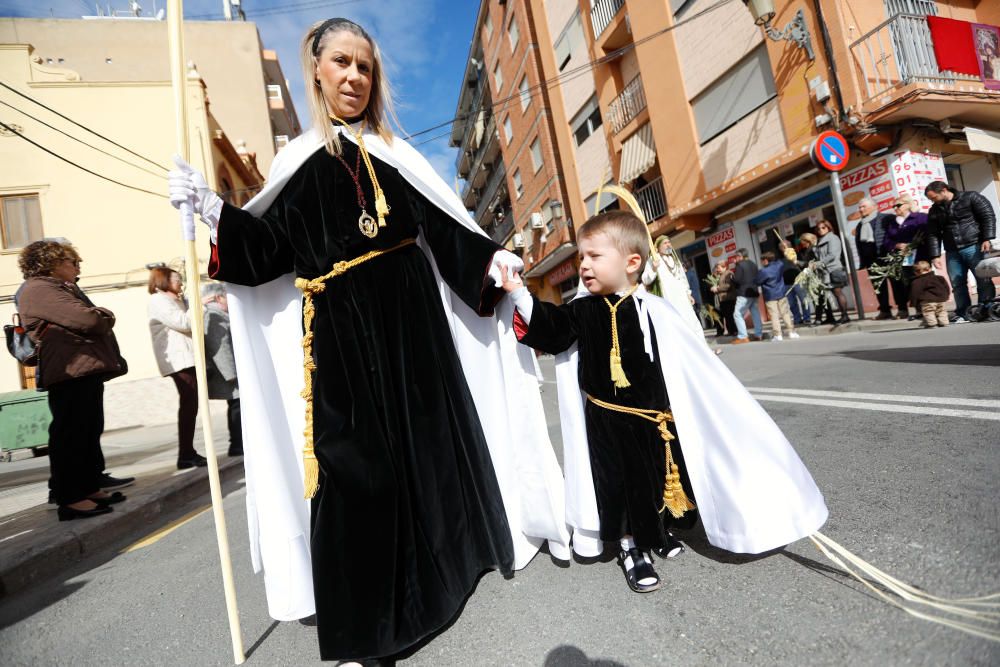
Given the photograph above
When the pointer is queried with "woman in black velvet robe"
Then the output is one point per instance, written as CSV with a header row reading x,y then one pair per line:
x,y
408,512
627,457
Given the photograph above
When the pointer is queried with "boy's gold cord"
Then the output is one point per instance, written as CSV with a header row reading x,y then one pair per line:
x,y
617,372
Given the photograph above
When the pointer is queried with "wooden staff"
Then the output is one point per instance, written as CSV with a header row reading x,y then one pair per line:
x,y
175,38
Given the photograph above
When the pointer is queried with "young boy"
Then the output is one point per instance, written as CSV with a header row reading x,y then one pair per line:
x,y
771,280
636,366
929,293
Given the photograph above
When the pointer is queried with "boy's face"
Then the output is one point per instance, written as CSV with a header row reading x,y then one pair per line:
x,y
603,268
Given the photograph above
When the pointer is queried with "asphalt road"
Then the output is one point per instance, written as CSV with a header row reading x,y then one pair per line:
x,y
911,484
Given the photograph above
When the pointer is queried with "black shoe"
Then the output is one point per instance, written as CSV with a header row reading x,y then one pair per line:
x,y
113,499
109,483
67,513
194,461
672,549
235,451
902,315
844,319
884,316
641,570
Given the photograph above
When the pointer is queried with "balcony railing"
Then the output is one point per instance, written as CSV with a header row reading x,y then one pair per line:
x,y
500,231
497,178
485,146
627,105
602,12
469,122
899,51
652,199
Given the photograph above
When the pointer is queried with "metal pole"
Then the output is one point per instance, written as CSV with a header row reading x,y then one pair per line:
x,y
175,38
838,204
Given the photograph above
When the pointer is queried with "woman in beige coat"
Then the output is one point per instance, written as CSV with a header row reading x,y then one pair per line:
x,y
170,328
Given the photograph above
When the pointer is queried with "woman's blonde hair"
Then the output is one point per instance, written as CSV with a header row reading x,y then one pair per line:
x,y
42,257
380,108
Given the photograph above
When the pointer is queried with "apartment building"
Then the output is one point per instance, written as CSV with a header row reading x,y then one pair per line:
x,y
112,76
709,116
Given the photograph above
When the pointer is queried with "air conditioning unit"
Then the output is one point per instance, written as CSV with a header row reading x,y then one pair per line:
x,y
518,240
536,221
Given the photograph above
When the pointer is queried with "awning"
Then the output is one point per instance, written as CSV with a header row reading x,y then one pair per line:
x,y
983,140
551,260
638,154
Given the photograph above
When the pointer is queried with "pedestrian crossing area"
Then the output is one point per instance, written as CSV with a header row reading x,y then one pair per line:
x,y
937,406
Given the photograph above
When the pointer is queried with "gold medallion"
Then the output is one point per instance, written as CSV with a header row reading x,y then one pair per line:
x,y
367,225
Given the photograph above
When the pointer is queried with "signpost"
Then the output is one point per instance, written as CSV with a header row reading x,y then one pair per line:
x,y
830,153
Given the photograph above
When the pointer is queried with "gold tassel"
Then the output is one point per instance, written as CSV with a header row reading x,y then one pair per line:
x,y
675,500
312,472
617,372
381,207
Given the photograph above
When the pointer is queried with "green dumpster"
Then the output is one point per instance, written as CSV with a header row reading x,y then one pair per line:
x,y
24,421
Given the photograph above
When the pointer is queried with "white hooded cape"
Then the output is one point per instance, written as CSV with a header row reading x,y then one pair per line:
x,y
267,333
752,490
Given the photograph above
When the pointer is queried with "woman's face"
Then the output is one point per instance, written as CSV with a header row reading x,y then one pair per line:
x,y
902,208
822,229
68,270
175,283
344,71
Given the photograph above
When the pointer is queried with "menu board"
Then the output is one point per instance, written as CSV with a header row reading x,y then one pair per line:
x,y
722,246
884,179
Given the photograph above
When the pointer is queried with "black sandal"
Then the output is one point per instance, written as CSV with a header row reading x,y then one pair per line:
x,y
641,570
672,548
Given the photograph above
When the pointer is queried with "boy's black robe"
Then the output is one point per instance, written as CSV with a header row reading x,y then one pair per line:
x,y
408,512
627,455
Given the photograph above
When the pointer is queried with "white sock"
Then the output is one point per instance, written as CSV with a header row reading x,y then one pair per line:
x,y
627,543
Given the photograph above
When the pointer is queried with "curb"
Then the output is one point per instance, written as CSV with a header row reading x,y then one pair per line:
x,y
57,546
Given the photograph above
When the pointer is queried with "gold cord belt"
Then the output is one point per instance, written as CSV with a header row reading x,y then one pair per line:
x,y
310,287
674,498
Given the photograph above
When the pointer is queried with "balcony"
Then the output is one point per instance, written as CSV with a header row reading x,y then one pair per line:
x,y
652,199
602,12
897,58
480,162
627,105
501,231
497,178
470,136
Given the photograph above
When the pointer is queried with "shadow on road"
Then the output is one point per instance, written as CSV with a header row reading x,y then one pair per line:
x,y
261,639
696,540
956,355
571,656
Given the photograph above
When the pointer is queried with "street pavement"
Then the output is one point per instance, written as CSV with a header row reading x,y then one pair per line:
x,y
899,429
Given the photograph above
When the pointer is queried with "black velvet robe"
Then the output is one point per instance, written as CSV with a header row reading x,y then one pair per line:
x,y
408,512
627,456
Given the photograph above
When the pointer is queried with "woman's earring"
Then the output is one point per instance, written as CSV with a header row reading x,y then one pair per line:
x,y
316,81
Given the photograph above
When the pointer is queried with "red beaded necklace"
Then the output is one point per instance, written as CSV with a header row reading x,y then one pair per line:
x,y
366,222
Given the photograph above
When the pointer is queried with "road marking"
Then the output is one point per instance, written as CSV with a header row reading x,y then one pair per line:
x,y
856,405
23,532
166,530
894,398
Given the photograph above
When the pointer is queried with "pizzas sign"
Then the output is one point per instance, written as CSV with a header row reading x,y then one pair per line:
x,y
721,237
869,172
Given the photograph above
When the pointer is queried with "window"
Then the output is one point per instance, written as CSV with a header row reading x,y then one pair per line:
x,y
512,33
569,40
536,154
274,92
518,187
525,93
737,93
609,202
498,77
488,27
586,121
20,221
508,130
280,141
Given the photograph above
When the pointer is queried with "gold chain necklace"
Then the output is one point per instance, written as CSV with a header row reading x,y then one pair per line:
x,y
366,223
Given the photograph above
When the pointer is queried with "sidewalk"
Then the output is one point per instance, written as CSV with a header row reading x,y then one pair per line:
x,y
35,545
869,324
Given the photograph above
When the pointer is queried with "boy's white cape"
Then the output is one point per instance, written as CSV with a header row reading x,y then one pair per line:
x,y
267,333
752,490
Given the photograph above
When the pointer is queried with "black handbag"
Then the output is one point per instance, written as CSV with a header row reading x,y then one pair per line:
x,y
19,343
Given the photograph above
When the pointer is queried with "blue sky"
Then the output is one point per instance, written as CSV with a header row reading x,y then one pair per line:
x,y
425,42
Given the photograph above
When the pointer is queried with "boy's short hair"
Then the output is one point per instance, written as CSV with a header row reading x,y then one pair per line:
x,y
626,231
767,256
922,266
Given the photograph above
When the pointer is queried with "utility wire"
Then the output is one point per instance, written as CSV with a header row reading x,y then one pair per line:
x,y
281,9
99,150
80,125
68,161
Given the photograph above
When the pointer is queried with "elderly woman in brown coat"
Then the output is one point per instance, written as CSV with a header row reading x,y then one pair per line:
x,y
77,353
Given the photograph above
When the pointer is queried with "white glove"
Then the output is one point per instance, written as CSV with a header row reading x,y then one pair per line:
x,y
504,258
188,185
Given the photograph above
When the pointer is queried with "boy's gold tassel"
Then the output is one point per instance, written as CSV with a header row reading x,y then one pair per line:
x,y
617,372
674,499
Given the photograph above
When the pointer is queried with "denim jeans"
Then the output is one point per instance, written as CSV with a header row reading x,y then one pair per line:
x,y
797,304
959,263
744,303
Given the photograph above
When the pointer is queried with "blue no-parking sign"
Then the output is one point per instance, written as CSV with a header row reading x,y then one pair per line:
x,y
830,152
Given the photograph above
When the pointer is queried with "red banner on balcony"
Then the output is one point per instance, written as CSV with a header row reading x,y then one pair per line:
x,y
953,45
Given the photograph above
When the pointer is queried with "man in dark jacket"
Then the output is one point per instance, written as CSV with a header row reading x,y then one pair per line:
x,y
962,224
746,298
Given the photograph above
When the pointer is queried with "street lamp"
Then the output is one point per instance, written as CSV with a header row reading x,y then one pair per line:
x,y
796,31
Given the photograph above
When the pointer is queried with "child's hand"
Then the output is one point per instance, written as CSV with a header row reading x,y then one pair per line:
x,y
510,281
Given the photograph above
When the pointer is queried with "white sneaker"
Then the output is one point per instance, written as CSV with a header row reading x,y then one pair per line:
x,y
776,339
793,335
